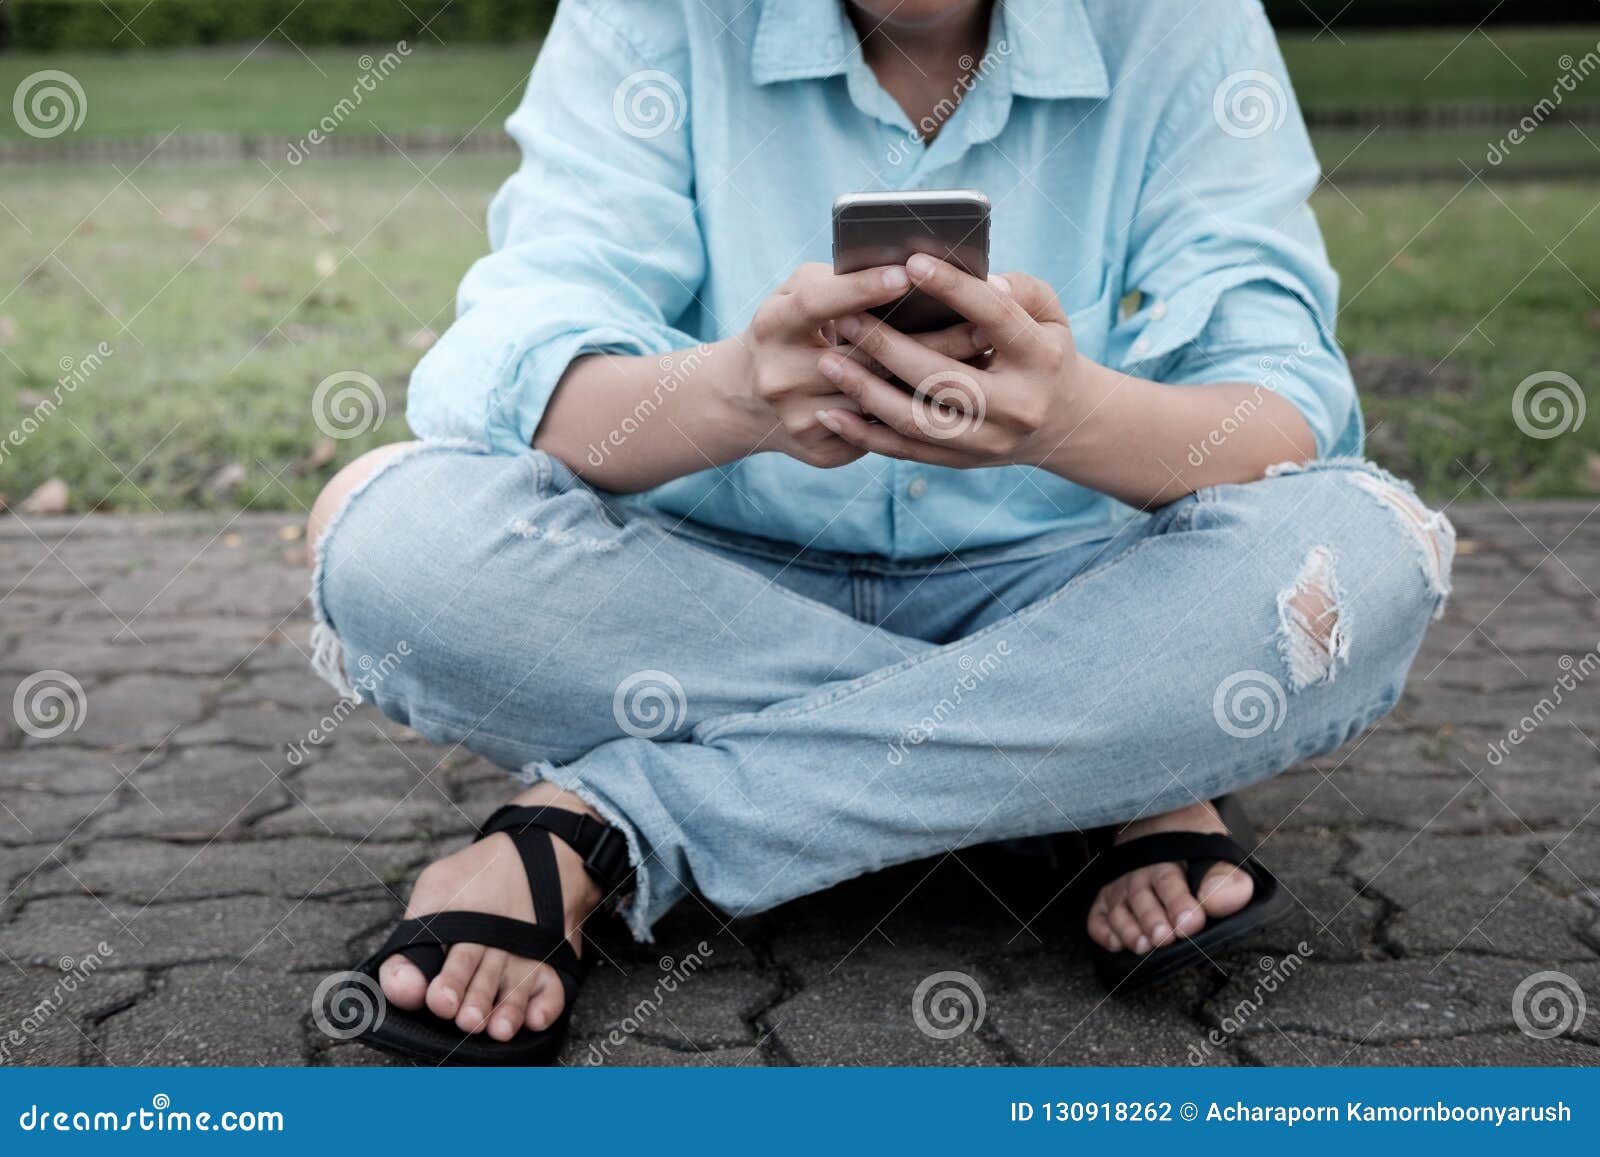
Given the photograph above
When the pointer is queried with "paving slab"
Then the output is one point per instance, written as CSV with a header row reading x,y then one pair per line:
x,y
230,849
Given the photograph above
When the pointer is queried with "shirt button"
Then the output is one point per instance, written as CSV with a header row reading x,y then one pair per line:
x,y
1158,311
918,487
1142,346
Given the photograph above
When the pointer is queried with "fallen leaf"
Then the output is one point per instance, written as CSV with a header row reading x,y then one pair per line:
x,y
50,498
321,454
1466,546
231,541
291,532
226,480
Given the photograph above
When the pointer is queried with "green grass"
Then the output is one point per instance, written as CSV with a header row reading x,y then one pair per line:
x,y
1390,154
1515,66
222,278
1453,295
277,91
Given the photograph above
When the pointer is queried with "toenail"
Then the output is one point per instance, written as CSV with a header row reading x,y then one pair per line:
x,y
502,1025
1162,931
1143,945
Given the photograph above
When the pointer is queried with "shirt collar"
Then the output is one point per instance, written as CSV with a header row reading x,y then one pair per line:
x,y
1051,46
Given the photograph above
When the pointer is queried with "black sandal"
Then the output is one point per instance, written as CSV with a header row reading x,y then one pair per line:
x,y
1128,971
423,940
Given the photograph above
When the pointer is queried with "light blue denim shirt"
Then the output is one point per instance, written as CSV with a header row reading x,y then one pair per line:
x,y
680,158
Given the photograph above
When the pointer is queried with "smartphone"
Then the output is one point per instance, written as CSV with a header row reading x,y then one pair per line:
x,y
886,228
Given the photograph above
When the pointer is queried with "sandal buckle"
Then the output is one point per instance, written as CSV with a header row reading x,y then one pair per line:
x,y
607,858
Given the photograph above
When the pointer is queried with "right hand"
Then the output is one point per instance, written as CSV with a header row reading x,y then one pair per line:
x,y
781,346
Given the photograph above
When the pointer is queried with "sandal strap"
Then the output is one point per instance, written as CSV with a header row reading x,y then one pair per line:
x,y
424,939
1200,850
518,937
604,848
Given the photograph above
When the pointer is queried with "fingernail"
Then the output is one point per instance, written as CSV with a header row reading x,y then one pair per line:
x,y
921,265
827,419
895,278
1000,283
832,366
849,328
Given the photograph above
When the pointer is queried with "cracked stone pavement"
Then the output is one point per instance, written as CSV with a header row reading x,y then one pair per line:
x,y
224,880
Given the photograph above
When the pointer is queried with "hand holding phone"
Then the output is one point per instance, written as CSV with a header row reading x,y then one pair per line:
x,y
873,229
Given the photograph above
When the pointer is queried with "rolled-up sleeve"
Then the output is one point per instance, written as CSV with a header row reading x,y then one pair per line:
x,y
1233,278
595,242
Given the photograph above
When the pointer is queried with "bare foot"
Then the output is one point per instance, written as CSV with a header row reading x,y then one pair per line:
x,y
1151,907
488,989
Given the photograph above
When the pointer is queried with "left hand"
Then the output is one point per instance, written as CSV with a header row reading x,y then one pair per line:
x,y
1015,407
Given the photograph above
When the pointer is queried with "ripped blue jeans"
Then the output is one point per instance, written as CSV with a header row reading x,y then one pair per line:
x,y
764,721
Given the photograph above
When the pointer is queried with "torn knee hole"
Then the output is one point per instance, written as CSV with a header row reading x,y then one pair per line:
x,y
1430,530
1311,622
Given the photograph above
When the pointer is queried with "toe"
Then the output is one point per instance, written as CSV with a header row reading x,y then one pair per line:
x,y
1183,910
511,1010
1224,890
482,992
403,984
547,1001
1127,928
1148,911
1100,928
447,989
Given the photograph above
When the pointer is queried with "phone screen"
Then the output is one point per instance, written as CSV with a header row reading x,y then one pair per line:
x,y
871,229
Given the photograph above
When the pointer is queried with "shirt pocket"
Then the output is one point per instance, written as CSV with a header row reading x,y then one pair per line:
x,y
1091,323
